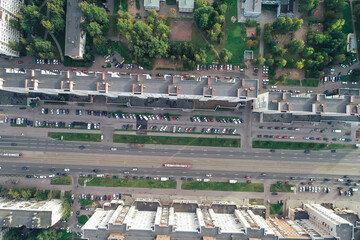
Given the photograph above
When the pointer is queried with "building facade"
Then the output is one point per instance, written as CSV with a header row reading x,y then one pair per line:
x,y
8,10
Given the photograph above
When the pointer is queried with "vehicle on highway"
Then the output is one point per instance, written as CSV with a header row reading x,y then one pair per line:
x,y
113,149
67,170
25,168
177,165
6,154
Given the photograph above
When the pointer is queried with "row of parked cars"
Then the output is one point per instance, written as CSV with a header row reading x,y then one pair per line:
x,y
99,197
47,61
219,67
316,189
53,111
280,128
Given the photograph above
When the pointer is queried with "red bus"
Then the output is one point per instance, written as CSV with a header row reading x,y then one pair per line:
x,y
177,165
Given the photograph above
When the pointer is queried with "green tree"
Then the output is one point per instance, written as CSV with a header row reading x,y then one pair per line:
x,y
356,11
48,25
49,234
30,18
26,194
337,5
282,78
101,45
13,193
249,43
94,29
172,13
203,22
261,61
296,46
269,62
307,5
225,55
202,3
340,58
300,65
214,32
307,52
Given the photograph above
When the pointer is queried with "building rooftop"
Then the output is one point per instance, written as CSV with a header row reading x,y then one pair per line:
x,y
74,36
326,213
253,6
185,222
228,224
162,237
186,3
152,3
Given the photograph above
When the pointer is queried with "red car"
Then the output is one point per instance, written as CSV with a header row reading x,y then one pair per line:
x,y
319,139
265,75
311,183
186,75
107,176
109,197
287,182
73,68
278,136
84,71
211,120
95,197
20,62
50,124
340,192
247,177
285,137
173,117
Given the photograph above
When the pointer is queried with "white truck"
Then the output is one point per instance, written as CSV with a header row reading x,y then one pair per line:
x,y
336,131
164,179
232,181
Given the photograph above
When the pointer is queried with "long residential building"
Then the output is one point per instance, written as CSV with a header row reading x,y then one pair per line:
x,y
8,10
31,214
181,219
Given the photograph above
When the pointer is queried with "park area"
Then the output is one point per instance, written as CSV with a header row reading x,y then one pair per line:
x,y
167,140
300,145
61,180
127,182
223,186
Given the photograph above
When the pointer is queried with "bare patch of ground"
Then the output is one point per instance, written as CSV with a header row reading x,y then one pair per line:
x,y
301,34
250,31
282,39
181,30
295,74
167,63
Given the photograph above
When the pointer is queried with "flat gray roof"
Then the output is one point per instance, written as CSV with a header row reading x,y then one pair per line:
x,y
74,37
143,86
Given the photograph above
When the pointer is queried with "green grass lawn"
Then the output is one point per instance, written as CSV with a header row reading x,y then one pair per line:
x,y
113,30
61,180
17,125
199,42
347,27
300,145
310,82
164,140
86,137
170,2
135,183
276,209
86,202
82,219
290,82
281,187
223,186
235,34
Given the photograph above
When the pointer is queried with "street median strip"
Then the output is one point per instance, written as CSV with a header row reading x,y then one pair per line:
x,y
85,137
282,187
223,186
167,140
61,180
300,145
121,182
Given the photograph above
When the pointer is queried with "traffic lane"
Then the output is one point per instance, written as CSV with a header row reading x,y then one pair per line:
x,y
13,168
24,143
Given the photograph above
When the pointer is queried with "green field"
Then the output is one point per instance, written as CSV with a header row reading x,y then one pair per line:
x,y
276,209
121,182
281,187
347,27
223,186
82,219
86,137
300,145
18,125
235,33
290,82
86,202
164,140
61,180
310,82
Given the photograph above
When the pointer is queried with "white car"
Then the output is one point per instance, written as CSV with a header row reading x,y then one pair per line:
x,y
113,149
208,175
134,169
67,170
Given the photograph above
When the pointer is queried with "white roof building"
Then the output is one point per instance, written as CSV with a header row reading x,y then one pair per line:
x,y
8,10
